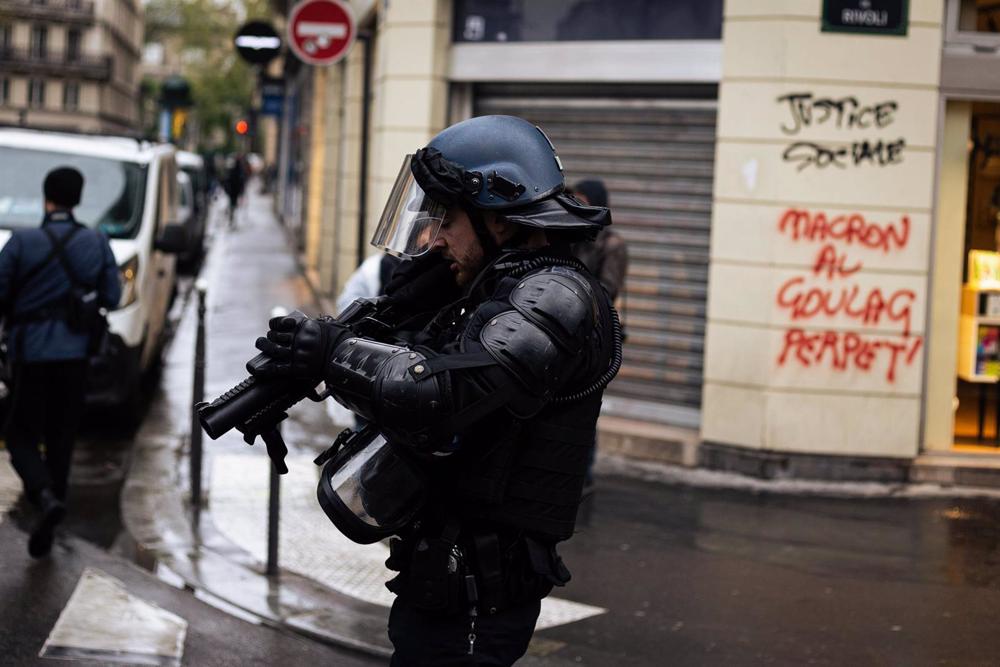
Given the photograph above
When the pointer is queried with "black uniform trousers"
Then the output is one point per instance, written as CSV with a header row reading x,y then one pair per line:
x,y
422,639
46,404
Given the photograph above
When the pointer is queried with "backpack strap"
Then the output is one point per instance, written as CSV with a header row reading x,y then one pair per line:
x,y
58,245
22,281
54,252
39,313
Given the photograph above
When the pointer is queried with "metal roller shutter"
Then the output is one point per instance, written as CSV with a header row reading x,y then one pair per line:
x,y
655,154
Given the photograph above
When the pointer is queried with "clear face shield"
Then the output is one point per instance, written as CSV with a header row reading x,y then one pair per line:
x,y
369,490
411,220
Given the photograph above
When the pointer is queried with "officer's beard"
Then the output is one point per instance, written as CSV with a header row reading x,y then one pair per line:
x,y
468,265
478,256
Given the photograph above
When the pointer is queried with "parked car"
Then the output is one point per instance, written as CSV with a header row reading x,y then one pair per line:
x,y
130,192
194,204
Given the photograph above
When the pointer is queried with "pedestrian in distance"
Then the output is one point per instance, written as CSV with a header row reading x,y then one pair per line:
x,y
237,174
368,280
53,282
481,373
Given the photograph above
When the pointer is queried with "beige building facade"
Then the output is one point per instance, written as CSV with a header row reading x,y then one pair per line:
x,y
405,46
70,64
798,203
821,231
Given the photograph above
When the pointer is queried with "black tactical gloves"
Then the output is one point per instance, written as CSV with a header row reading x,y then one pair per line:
x,y
424,284
299,350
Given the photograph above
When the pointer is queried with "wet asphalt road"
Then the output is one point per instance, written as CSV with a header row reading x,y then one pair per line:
x,y
696,577
689,576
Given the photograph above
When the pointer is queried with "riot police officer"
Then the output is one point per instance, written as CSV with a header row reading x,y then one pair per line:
x,y
486,381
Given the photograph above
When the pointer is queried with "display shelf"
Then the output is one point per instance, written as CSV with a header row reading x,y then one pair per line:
x,y
979,322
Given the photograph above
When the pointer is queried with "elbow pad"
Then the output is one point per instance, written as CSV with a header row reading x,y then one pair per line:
x,y
379,382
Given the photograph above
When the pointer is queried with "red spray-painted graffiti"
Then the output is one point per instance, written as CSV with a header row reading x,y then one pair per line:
x,y
842,350
828,291
868,308
851,229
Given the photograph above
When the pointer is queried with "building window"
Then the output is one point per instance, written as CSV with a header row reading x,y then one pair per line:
x,y
39,41
6,37
72,44
4,91
71,96
36,93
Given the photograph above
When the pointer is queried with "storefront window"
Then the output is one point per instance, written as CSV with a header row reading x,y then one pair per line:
x,y
975,22
580,20
977,421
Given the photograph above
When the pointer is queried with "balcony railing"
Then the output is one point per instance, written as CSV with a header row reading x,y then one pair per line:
x,y
59,11
21,61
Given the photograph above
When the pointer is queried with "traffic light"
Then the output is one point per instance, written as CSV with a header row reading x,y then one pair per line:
x,y
178,122
242,127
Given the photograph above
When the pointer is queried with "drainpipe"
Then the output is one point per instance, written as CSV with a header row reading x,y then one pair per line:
x,y
367,38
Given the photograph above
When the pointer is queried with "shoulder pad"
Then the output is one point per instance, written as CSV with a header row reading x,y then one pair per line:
x,y
525,351
561,303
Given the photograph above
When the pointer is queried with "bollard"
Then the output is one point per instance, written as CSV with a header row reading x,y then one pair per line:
x,y
198,395
273,514
273,498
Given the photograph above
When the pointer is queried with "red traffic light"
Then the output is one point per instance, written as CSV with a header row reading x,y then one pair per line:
x,y
242,127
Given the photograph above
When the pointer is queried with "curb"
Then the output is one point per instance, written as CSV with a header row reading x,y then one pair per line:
x,y
663,473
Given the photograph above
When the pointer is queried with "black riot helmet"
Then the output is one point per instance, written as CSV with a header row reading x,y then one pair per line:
x,y
489,163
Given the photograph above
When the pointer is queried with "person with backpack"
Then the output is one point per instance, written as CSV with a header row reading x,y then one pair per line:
x,y
53,282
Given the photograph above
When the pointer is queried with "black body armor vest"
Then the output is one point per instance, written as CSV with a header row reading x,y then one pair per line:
x,y
528,472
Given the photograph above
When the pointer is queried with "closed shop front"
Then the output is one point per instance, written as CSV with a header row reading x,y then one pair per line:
x,y
653,146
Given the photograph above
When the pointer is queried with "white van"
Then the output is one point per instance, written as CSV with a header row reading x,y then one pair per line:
x,y
193,207
130,191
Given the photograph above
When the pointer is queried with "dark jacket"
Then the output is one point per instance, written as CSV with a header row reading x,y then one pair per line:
x,y
88,252
606,258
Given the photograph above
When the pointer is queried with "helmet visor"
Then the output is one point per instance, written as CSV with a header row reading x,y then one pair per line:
x,y
411,219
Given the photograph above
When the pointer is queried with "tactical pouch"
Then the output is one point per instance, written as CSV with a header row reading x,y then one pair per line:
x,y
532,569
434,579
83,311
546,562
524,571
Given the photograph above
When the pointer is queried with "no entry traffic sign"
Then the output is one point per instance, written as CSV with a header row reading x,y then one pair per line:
x,y
321,31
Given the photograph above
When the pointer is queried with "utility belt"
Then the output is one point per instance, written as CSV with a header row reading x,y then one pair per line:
x,y
79,310
59,311
485,571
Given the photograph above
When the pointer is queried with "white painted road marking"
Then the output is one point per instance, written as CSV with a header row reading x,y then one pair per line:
x,y
310,545
103,621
